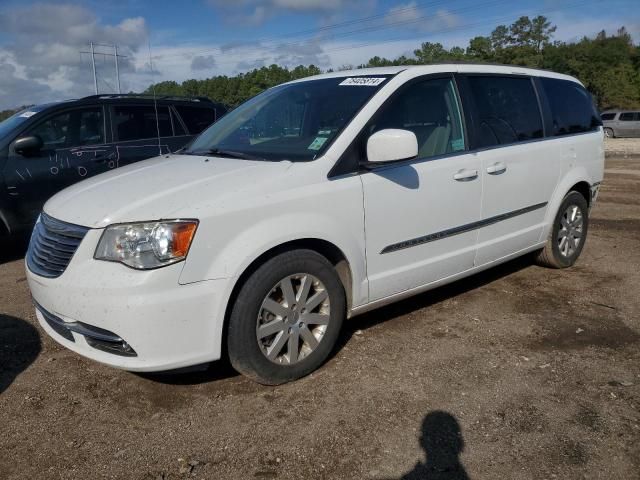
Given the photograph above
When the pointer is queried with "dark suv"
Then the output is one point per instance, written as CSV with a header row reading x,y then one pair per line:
x,y
46,148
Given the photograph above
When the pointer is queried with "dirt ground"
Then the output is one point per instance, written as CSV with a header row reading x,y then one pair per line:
x,y
517,373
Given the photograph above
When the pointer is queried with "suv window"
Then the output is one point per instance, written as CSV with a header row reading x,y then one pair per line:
x,y
136,122
571,107
431,110
73,128
507,109
629,116
608,116
196,119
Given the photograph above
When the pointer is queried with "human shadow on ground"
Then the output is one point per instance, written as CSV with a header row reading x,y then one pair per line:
x,y
19,347
442,442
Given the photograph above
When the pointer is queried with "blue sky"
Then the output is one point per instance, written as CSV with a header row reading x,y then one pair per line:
x,y
40,42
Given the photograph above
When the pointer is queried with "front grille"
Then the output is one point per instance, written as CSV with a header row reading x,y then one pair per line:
x,y
52,246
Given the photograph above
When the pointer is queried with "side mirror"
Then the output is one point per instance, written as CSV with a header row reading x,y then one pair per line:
x,y
28,145
391,145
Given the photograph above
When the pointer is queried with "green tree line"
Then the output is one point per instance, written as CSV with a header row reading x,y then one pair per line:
x,y
608,65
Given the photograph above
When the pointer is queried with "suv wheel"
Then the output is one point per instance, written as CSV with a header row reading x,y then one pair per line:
x,y
286,318
568,234
608,132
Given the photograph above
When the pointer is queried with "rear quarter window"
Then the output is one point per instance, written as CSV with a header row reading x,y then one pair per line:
x,y
507,109
630,116
572,107
196,118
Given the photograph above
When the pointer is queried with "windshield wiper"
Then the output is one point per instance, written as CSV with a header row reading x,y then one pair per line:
x,y
225,153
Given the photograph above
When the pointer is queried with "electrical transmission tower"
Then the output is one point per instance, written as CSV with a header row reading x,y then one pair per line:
x,y
115,56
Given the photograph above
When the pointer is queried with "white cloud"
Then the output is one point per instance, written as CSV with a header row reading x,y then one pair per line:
x,y
257,12
42,62
410,16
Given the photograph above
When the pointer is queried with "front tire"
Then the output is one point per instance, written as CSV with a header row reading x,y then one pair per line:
x,y
286,318
568,234
608,132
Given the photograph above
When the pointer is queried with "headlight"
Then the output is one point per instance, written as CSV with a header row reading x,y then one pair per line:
x,y
147,245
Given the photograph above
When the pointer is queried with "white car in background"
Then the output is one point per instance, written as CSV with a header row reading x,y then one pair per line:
x,y
316,200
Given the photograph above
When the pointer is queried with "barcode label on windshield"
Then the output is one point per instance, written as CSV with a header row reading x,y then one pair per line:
x,y
363,81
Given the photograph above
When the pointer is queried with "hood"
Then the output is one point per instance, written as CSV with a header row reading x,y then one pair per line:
x,y
172,186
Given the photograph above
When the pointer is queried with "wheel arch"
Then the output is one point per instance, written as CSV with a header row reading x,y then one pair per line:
x,y
325,248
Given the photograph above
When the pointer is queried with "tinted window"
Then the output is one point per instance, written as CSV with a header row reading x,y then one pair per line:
x,y
139,122
196,119
608,116
507,110
431,110
571,107
54,131
629,116
91,127
71,129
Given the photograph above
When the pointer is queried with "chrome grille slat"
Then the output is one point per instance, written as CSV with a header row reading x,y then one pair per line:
x,y
52,246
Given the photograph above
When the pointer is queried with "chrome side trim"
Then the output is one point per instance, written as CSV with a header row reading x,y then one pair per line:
x,y
432,237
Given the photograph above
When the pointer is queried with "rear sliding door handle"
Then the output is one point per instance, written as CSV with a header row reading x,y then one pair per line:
x,y
465,175
497,168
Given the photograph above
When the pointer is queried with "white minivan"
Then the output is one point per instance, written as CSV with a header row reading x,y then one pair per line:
x,y
316,201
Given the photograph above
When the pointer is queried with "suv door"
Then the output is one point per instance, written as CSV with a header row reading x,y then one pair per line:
x,y
420,214
519,173
138,135
73,149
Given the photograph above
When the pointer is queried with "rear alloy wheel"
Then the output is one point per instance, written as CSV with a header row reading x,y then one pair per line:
x,y
286,318
569,233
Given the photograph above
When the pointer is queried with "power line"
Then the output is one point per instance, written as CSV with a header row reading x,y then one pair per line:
x,y
395,39
368,29
115,56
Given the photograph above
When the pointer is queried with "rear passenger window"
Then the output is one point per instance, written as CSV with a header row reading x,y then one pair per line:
x,y
136,122
629,116
507,110
196,119
571,107
431,110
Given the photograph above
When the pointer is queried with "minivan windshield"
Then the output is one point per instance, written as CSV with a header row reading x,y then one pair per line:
x,y
295,122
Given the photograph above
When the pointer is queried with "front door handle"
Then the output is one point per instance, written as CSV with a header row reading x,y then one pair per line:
x,y
465,175
497,168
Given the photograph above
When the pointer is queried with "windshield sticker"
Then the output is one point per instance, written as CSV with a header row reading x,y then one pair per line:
x,y
324,132
362,81
28,114
317,143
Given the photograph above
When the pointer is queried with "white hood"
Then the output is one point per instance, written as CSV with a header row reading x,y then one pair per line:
x,y
172,186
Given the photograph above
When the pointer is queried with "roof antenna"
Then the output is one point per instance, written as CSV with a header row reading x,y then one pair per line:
x,y
155,101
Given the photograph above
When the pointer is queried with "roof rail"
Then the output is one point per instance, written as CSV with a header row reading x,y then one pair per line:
x,y
149,96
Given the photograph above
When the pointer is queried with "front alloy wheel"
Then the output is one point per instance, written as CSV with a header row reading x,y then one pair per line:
x,y
293,319
286,317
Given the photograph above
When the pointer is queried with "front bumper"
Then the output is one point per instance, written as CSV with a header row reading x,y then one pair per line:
x,y
129,319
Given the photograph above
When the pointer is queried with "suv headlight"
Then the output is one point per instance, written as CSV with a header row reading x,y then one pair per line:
x,y
147,245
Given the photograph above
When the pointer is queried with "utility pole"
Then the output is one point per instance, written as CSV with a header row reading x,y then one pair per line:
x,y
115,56
93,65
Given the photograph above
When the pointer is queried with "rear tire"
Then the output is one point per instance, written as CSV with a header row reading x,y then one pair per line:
x,y
286,318
568,235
